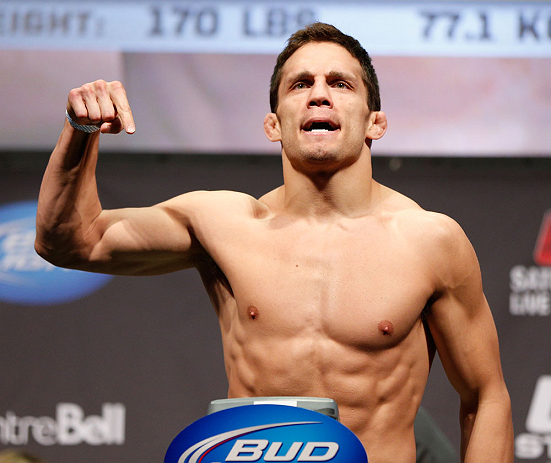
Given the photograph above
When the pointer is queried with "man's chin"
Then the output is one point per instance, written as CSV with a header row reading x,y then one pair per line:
x,y
320,160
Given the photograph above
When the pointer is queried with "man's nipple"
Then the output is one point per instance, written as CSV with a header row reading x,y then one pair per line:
x,y
252,312
386,327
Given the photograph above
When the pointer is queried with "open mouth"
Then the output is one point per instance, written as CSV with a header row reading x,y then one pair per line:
x,y
319,127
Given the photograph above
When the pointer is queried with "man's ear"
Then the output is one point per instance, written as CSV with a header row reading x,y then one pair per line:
x,y
271,127
377,125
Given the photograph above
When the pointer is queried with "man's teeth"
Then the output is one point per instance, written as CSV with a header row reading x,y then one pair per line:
x,y
320,127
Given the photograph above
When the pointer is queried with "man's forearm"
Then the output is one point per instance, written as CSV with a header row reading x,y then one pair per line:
x,y
487,432
68,201
68,204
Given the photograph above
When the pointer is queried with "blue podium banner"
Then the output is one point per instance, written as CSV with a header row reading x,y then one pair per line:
x,y
266,433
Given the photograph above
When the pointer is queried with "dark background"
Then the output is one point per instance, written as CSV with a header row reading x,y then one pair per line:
x,y
152,343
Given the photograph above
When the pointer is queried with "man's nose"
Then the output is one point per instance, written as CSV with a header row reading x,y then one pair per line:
x,y
320,95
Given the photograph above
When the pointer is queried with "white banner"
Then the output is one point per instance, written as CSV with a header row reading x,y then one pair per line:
x,y
470,29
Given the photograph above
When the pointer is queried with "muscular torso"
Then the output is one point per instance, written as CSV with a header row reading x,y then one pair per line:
x,y
327,309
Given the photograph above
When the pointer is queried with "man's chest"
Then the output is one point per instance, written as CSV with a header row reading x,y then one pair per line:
x,y
349,286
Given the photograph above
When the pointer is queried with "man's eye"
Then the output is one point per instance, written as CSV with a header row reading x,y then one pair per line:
x,y
341,85
300,85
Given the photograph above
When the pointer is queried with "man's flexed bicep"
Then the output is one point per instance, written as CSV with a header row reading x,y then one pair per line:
x,y
173,235
72,228
464,332
68,203
130,241
140,241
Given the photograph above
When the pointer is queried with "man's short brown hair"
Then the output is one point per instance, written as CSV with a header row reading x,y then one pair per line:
x,y
321,32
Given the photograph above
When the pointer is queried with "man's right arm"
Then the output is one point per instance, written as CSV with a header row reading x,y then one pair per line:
x,y
72,228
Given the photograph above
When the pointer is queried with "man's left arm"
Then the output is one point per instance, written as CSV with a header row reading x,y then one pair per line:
x,y
464,332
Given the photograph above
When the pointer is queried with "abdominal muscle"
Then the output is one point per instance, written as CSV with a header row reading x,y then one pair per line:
x,y
378,389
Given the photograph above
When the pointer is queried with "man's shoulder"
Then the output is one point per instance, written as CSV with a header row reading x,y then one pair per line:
x,y
437,240
434,226
428,229
218,202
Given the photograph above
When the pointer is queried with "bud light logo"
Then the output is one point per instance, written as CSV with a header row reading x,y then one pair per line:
x,y
266,433
26,278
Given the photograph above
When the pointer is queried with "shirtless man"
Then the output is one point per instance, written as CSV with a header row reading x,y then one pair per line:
x,y
331,285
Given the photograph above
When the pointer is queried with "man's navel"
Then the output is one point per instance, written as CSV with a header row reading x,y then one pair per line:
x,y
386,327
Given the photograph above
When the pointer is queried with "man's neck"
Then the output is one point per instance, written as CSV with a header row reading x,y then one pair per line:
x,y
323,195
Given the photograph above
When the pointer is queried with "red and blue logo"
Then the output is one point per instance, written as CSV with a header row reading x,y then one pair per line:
x,y
542,252
266,433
